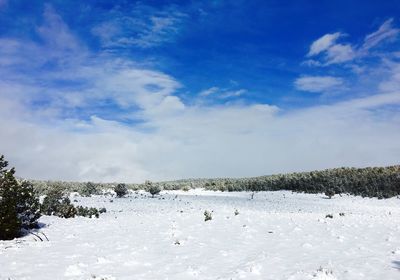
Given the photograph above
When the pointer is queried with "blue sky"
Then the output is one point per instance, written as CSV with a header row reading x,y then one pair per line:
x,y
170,89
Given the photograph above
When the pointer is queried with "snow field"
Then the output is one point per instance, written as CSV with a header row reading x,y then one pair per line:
x,y
276,235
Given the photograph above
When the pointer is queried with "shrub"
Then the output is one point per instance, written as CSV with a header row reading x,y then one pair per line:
x,y
329,193
66,209
58,204
89,189
18,204
87,212
28,206
152,188
121,190
207,216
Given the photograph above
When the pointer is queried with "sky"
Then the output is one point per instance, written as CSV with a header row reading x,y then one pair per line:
x,y
134,90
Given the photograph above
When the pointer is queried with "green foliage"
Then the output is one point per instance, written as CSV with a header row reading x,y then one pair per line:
x,y
89,189
19,206
121,190
381,182
87,212
10,225
58,204
329,193
28,206
207,216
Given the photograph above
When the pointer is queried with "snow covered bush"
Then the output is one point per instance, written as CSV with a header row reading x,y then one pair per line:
x,y
89,189
207,216
87,212
329,193
153,189
121,190
19,206
58,204
28,206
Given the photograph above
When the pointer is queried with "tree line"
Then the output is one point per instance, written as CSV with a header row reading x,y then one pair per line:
x,y
381,182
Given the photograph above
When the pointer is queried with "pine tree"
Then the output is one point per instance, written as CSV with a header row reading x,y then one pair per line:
x,y
10,225
19,207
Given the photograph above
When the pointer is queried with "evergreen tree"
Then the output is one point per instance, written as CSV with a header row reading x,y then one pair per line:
x,y
19,207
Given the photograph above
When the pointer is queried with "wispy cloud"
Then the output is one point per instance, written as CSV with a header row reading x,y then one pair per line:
x,y
222,93
385,32
330,52
392,82
323,43
233,93
209,91
145,27
61,74
55,32
340,53
318,83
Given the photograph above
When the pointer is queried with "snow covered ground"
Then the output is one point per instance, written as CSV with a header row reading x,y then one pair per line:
x,y
276,235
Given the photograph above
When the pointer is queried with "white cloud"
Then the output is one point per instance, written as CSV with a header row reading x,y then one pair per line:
x,y
374,101
318,83
222,93
209,91
333,52
392,83
385,32
233,93
339,53
336,53
155,135
206,142
56,33
323,43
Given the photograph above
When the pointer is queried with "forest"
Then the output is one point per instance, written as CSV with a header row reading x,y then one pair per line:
x,y
380,182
